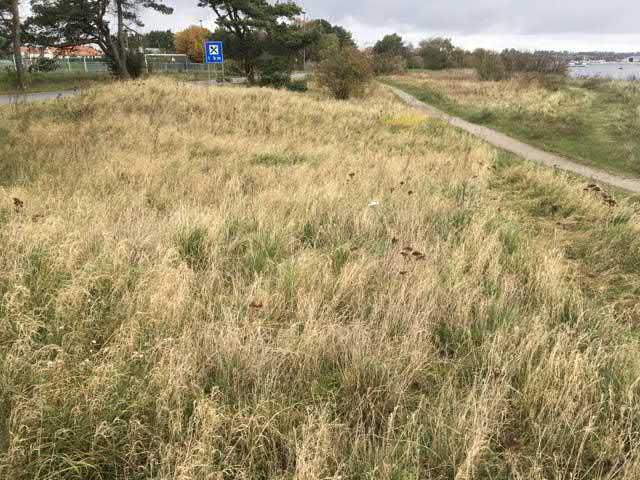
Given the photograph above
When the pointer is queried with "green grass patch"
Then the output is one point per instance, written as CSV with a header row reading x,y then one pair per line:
x,y
193,247
605,133
279,159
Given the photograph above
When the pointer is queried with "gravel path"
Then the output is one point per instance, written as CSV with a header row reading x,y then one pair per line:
x,y
523,150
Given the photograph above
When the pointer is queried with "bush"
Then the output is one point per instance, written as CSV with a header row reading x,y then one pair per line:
x,y
415,61
434,58
275,72
386,64
233,68
490,66
548,81
494,66
135,64
346,73
298,86
44,65
516,61
10,77
594,83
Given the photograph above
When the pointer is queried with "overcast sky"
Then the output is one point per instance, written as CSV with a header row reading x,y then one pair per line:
x,y
525,24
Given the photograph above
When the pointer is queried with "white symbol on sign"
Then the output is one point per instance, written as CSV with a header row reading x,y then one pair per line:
x,y
213,50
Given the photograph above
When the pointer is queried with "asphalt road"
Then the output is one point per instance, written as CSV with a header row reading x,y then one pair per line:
x,y
521,149
36,97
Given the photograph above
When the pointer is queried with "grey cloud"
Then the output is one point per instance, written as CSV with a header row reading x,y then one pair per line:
x,y
571,24
484,16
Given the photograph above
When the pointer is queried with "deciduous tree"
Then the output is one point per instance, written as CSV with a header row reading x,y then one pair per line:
x,y
191,42
346,73
391,45
436,52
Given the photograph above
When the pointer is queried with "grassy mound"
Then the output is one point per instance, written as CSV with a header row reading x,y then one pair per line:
x,y
244,283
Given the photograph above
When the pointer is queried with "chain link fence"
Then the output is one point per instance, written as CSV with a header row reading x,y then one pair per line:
x,y
99,66
59,65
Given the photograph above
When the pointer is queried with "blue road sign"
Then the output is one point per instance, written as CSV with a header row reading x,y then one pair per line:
x,y
213,52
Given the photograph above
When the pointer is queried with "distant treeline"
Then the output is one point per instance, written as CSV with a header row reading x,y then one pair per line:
x,y
579,56
393,55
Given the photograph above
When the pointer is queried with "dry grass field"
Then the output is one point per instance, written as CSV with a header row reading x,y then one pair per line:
x,y
594,121
252,284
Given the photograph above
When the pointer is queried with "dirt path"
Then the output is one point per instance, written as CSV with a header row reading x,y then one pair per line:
x,y
523,150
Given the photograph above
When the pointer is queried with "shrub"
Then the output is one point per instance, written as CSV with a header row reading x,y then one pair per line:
x,y
346,73
494,66
10,77
434,58
415,61
298,86
551,82
594,83
490,66
516,61
135,64
275,72
387,64
233,68
43,65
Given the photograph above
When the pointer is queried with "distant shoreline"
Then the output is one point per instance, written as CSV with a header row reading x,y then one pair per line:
x,y
613,70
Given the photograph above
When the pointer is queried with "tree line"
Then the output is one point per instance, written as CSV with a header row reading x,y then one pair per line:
x,y
265,39
392,55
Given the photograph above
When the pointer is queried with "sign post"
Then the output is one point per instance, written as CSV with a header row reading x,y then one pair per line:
x,y
214,55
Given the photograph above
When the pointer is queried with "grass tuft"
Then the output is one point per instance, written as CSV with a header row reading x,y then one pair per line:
x,y
193,247
278,159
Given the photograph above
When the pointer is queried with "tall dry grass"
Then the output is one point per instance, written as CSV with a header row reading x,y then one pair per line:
x,y
196,288
527,95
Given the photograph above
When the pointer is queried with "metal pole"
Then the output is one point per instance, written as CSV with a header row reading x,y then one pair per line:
x,y
69,63
84,62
